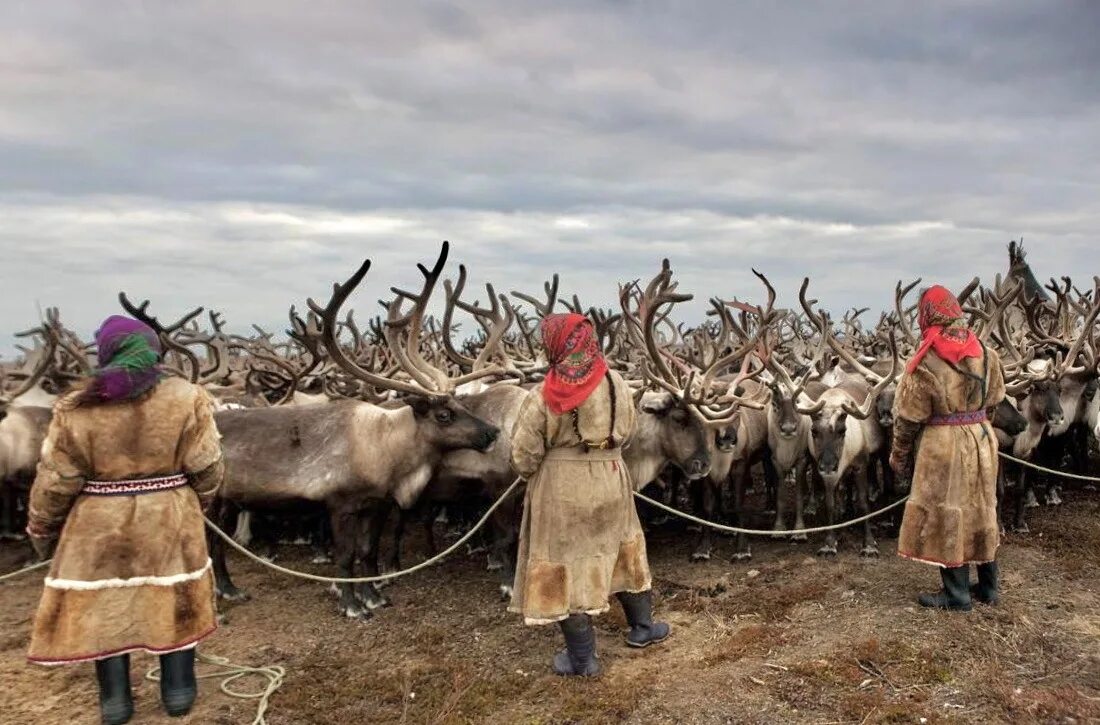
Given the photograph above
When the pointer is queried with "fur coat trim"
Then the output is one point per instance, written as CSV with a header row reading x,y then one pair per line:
x,y
124,651
941,564
135,581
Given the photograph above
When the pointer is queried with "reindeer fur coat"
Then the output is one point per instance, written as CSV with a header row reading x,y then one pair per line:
x,y
951,516
130,571
580,539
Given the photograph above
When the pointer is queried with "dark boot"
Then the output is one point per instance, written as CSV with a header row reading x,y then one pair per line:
x,y
579,656
955,594
987,588
639,614
177,682
116,701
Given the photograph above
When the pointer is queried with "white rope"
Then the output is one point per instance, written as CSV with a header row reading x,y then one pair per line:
x,y
26,570
230,673
767,532
368,579
1063,474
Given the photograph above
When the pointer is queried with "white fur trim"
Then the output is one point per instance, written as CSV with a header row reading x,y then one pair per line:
x,y
136,581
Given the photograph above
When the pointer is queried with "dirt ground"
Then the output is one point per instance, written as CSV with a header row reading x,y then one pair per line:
x,y
783,638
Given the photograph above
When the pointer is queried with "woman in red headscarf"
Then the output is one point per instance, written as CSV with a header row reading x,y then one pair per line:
x,y
941,410
580,540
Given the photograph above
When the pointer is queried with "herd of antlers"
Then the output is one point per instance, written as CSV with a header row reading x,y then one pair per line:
x,y
407,351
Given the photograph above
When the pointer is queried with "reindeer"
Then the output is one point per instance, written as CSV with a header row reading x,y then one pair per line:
x,y
353,457
844,436
716,403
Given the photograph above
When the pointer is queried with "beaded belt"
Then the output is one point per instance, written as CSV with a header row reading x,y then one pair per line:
x,y
969,418
135,486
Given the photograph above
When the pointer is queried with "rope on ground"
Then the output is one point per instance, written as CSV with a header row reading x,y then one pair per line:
x,y
1044,469
230,673
767,532
368,579
25,570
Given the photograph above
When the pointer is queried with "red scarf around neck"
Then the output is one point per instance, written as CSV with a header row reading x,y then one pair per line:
x,y
940,317
576,364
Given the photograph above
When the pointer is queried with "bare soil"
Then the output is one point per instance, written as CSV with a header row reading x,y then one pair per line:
x,y
786,637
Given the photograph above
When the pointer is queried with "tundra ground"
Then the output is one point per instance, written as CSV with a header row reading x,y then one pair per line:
x,y
784,638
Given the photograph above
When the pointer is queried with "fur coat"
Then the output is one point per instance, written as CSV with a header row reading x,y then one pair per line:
x,y
130,571
951,516
580,539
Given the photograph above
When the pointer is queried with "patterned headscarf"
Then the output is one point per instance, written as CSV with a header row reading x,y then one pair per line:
x,y
576,364
129,355
943,329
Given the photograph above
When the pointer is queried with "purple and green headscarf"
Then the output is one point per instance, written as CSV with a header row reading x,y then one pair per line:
x,y
129,361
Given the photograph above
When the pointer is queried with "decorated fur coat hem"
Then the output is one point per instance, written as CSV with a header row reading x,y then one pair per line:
x,y
543,621
78,659
941,564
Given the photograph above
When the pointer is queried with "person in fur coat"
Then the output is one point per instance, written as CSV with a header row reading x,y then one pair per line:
x,y
580,539
941,411
128,464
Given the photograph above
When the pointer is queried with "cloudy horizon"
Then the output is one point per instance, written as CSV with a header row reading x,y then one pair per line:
x,y
244,158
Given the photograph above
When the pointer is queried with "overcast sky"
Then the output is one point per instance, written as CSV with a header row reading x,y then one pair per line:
x,y
245,158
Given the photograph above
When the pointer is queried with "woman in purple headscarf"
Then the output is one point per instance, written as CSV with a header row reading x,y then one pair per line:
x,y
129,462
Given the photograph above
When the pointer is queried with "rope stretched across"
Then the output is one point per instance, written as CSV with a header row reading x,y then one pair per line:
x,y
368,579
1044,469
767,532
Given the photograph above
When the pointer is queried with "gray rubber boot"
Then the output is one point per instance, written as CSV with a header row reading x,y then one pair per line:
x,y
177,682
639,614
955,594
987,590
579,656
116,700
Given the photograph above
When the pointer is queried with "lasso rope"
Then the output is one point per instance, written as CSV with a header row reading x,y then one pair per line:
x,y
767,532
1044,469
368,579
26,570
230,673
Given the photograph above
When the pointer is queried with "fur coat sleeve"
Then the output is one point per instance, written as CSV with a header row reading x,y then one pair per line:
x,y
61,475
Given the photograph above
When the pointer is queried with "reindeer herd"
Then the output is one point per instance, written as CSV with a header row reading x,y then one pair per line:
x,y
335,430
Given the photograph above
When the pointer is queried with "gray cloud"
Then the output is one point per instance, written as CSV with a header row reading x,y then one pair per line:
x,y
245,157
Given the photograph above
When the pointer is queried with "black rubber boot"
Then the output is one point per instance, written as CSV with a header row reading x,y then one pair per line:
x,y
987,589
177,682
955,594
116,700
639,614
579,656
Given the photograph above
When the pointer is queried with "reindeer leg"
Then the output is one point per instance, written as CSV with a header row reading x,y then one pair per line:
x,y
322,540
505,525
1022,483
371,526
781,499
345,532
863,503
398,536
742,476
1001,498
7,511
705,504
829,547
799,477
224,514
812,479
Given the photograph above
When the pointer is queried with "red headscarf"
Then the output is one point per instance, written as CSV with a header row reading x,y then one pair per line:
x,y
576,364
941,326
